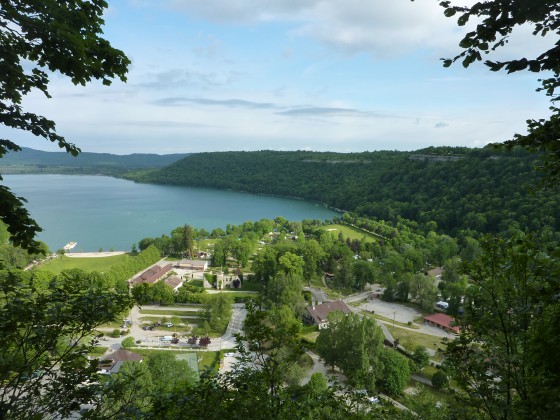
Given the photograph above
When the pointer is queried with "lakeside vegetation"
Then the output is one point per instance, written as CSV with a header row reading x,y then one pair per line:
x,y
482,190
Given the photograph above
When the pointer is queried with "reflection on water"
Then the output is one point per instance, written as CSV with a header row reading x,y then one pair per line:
x,y
103,212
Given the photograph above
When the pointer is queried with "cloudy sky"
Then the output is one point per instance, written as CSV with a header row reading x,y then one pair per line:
x,y
338,75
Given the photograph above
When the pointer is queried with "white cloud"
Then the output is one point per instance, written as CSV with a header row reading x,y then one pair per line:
x,y
384,28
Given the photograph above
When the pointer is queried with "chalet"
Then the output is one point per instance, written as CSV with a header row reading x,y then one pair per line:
x,y
196,265
317,314
112,362
443,321
174,282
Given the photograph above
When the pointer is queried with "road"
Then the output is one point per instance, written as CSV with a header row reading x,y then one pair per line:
x,y
318,294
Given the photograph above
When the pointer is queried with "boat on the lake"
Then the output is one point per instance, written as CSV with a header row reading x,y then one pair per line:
x,y
70,245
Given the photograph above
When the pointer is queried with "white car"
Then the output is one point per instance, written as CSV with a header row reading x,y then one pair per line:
x,y
373,400
169,324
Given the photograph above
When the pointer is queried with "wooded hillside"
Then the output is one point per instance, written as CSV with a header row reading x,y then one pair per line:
x,y
458,188
34,161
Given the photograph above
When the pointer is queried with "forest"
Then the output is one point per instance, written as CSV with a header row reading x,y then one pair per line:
x,y
36,161
481,215
483,190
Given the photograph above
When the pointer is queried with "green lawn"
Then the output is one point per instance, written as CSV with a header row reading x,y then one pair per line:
x,y
410,339
168,312
209,360
428,372
240,293
392,321
197,283
56,265
350,232
98,351
310,333
253,286
317,281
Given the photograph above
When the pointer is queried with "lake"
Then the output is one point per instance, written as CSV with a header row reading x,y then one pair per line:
x,y
104,212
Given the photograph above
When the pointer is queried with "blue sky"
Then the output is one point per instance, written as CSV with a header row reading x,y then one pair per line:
x,y
337,75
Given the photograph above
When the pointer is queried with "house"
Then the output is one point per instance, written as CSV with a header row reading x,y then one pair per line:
x,y
197,265
202,254
436,273
443,321
317,314
111,363
174,282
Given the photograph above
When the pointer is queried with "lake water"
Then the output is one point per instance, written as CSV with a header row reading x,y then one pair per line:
x,y
104,212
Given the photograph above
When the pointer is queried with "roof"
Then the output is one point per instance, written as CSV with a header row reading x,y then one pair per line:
x,y
435,272
153,274
442,320
173,281
320,312
122,355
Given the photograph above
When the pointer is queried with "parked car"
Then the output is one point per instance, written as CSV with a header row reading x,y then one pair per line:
x,y
169,324
373,400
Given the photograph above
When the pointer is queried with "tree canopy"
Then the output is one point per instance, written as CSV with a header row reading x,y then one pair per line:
x,y
38,39
495,21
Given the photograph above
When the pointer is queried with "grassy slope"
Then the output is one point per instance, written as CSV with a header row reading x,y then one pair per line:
x,y
56,265
350,232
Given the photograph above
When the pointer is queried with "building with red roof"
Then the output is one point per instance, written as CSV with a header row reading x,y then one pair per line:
x,y
442,321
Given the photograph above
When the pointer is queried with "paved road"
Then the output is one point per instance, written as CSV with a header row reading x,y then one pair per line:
x,y
318,294
235,326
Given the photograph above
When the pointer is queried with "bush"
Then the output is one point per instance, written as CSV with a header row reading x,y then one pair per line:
x,y
116,333
439,380
242,299
127,343
307,343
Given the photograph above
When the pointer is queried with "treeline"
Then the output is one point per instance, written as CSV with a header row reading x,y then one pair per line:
x,y
37,161
457,188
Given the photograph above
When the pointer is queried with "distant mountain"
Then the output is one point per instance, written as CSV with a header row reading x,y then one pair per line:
x,y
458,188
37,161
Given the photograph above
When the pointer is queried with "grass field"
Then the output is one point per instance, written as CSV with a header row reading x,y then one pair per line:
x,y
350,232
168,312
410,339
56,265
197,283
310,332
253,286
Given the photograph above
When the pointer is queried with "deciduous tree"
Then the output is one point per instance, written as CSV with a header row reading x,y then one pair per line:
x,y
492,24
507,322
36,40
46,335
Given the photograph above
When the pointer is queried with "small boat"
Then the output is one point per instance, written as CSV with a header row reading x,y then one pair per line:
x,y
70,245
